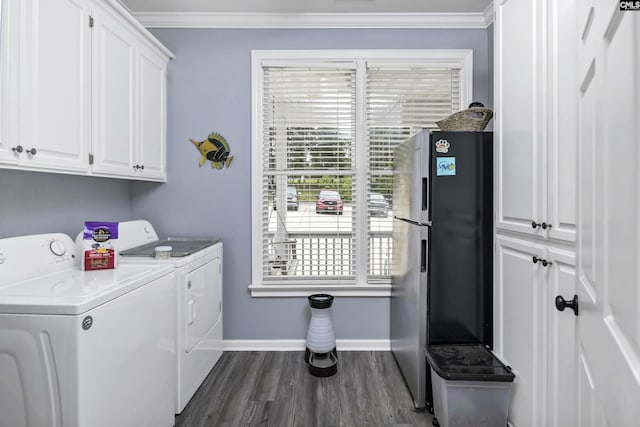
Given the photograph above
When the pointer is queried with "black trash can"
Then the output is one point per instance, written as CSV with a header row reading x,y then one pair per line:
x,y
471,386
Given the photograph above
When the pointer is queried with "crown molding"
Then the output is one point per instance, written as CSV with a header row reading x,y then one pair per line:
x,y
316,20
488,15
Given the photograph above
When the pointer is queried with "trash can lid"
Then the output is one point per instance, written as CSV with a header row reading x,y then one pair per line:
x,y
467,362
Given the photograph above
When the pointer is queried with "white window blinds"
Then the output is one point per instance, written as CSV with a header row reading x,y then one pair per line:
x,y
309,174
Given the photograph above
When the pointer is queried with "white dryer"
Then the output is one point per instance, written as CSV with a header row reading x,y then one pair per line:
x,y
198,281
83,348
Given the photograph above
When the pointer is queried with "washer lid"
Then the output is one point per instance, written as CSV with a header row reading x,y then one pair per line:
x,y
73,291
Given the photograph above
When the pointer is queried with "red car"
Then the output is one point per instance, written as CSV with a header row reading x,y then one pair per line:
x,y
329,201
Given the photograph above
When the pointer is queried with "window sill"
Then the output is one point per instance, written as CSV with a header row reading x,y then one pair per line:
x,y
280,291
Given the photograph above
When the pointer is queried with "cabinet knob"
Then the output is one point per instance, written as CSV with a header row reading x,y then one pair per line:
x,y
561,304
141,167
31,151
17,149
542,225
542,261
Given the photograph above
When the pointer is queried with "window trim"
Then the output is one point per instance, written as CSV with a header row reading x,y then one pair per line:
x,y
462,58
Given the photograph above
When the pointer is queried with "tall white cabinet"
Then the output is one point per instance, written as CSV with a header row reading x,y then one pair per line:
x,y
536,132
85,88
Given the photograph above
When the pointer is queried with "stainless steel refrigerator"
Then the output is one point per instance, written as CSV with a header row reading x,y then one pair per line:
x,y
442,260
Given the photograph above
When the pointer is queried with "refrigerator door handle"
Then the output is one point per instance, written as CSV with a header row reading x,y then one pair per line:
x,y
425,194
410,221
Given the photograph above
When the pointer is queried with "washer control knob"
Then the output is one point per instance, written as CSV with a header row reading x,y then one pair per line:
x,y
57,247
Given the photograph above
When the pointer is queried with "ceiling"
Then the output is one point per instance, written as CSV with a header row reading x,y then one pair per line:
x,y
307,6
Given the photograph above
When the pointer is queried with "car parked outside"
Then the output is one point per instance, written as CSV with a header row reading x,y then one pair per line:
x,y
292,198
329,201
378,205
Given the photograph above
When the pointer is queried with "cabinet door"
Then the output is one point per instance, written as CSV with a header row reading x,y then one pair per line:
x,y
54,86
532,336
152,118
9,83
114,97
561,341
518,122
562,120
520,298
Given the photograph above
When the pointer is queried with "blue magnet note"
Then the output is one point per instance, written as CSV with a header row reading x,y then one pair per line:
x,y
446,166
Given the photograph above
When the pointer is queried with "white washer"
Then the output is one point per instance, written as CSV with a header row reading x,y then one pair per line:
x,y
198,267
83,348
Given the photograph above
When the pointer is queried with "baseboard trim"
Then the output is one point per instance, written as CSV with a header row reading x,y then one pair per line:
x,y
299,345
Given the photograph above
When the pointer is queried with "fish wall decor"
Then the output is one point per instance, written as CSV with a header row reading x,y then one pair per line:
x,y
215,149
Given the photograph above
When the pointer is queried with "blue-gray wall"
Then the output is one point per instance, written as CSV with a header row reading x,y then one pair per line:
x,y
209,90
35,202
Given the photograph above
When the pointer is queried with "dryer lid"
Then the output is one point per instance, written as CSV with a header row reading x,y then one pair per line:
x,y
180,247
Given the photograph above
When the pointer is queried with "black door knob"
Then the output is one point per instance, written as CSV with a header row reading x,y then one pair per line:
x,y
561,304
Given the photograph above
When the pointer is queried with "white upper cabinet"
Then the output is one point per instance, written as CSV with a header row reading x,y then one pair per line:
x,y
129,108
535,121
80,80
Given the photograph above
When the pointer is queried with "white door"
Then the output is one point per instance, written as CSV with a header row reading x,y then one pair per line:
x,y
203,303
608,276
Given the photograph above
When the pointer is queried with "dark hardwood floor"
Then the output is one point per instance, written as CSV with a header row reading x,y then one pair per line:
x,y
276,389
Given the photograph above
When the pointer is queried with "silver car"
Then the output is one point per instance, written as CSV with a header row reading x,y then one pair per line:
x,y
292,198
378,205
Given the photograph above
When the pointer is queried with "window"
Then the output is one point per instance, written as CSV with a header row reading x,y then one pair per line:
x,y
325,124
